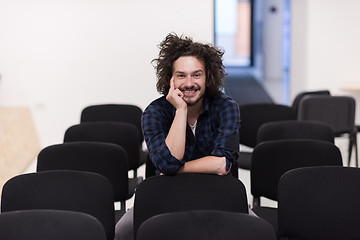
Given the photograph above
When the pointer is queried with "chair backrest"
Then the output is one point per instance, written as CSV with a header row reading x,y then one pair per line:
x,y
49,224
301,95
294,129
271,159
318,203
84,192
337,111
124,134
185,192
113,112
209,225
255,115
109,160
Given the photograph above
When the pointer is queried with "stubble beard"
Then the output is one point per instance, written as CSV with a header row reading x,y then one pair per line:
x,y
189,101
193,103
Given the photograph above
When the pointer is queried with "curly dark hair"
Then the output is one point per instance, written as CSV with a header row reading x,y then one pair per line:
x,y
173,47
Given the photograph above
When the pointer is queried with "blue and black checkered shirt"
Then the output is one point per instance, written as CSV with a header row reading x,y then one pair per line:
x,y
217,132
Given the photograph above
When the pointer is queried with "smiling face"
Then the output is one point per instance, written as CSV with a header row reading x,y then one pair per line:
x,y
189,77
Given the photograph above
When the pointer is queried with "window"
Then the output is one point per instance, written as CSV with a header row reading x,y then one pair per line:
x,y
233,31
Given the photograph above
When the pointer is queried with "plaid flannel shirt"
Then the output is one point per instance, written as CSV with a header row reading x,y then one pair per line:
x,y
217,132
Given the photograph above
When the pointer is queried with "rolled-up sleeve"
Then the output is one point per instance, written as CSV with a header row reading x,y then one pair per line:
x,y
155,127
227,139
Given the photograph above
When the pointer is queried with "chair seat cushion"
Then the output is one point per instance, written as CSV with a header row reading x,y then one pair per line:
x,y
269,214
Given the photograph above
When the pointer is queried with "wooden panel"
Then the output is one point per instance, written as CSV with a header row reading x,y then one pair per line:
x,y
19,144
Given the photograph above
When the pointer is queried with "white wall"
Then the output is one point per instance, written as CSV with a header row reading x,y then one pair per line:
x,y
325,45
272,40
58,56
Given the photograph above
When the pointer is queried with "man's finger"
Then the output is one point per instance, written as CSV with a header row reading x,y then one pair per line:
x,y
179,93
172,84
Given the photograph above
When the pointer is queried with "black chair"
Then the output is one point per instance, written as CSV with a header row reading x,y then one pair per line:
x,y
319,203
127,113
113,112
186,192
209,225
271,159
150,169
84,192
252,117
296,102
50,224
107,159
124,134
294,129
337,111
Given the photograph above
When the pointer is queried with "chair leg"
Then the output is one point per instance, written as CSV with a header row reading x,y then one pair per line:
x,y
351,144
256,201
123,205
356,150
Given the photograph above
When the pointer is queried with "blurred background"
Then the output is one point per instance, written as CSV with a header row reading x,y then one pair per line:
x,y
59,56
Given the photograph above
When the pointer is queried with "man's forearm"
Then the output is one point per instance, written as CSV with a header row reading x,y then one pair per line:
x,y
175,139
208,164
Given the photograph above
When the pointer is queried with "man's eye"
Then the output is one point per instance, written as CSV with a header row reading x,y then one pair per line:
x,y
197,75
180,76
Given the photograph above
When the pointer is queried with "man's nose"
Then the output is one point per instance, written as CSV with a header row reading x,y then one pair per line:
x,y
189,81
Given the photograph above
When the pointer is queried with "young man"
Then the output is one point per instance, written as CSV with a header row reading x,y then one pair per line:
x,y
194,126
